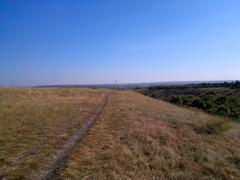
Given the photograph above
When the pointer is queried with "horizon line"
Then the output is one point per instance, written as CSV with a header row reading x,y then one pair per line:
x,y
111,84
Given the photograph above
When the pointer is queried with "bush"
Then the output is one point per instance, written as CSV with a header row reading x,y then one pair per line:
x,y
217,98
176,99
222,100
198,103
223,110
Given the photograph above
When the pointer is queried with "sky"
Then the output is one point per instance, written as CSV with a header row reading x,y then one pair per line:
x,y
49,42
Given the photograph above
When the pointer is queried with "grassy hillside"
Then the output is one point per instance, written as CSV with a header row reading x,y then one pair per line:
x,y
34,123
135,137
138,137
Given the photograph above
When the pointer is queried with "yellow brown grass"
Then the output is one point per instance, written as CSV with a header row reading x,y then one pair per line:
x,y
34,123
138,137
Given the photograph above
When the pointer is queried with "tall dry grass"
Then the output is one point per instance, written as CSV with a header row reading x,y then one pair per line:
x,y
35,123
142,138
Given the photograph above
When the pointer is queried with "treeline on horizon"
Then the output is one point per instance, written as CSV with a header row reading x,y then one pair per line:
x,y
215,98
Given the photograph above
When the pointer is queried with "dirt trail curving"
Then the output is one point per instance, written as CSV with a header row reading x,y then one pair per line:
x,y
51,170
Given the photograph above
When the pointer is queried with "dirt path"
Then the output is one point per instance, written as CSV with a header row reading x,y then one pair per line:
x,y
50,172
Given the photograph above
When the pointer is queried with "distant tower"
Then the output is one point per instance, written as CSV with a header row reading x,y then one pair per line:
x,y
116,84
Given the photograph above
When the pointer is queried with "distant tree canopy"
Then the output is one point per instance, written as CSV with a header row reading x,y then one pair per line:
x,y
231,85
216,98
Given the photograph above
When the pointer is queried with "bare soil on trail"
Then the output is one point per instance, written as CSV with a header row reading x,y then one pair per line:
x,y
51,170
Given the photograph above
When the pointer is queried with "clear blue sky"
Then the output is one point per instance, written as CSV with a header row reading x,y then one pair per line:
x,y
93,41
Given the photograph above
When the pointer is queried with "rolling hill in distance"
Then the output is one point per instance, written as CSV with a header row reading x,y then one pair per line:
x,y
133,85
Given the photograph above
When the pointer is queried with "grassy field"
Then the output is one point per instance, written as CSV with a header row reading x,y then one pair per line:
x,y
138,137
34,123
135,137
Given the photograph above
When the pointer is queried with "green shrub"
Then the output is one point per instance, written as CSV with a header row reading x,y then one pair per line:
x,y
198,103
216,98
223,110
176,99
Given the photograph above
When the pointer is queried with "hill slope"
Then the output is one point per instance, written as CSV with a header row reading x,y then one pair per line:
x,y
135,137
138,137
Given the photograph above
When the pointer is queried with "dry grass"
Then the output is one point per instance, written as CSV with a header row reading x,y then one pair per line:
x,y
138,137
34,123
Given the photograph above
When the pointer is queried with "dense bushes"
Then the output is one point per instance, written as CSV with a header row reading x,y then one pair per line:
x,y
222,98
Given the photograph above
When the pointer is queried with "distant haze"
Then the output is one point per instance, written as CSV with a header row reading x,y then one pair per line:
x,y
97,42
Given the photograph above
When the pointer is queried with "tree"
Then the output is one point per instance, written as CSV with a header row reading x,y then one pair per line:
x,y
198,103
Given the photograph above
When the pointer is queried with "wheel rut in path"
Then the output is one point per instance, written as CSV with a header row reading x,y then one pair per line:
x,y
51,171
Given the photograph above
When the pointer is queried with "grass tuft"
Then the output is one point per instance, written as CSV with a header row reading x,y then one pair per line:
x,y
213,127
235,160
